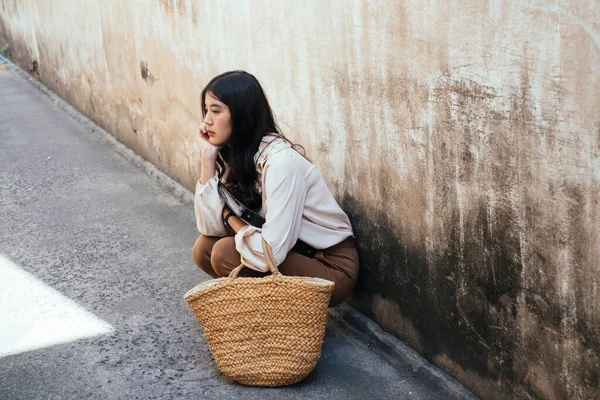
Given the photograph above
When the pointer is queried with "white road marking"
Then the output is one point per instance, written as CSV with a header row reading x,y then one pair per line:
x,y
33,315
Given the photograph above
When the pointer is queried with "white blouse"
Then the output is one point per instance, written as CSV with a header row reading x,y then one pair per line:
x,y
296,203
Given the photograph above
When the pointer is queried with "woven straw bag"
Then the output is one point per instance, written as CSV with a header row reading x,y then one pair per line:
x,y
263,331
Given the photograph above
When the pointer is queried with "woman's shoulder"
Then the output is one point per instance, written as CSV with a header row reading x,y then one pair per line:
x,y
272,147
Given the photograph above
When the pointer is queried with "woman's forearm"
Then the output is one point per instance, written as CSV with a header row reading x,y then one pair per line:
x,y
236,223
207,170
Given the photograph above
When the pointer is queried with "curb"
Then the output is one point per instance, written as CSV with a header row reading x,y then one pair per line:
x,y
397,352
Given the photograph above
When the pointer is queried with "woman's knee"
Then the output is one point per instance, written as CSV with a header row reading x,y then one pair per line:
x,y
224,257
201,248
201,253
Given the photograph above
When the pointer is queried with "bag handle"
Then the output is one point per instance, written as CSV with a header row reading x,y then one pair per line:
x,y
268,257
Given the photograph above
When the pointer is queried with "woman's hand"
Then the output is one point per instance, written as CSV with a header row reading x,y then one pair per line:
x,y
208,151
208,156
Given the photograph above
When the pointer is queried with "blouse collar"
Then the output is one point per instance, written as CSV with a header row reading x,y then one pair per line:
x,y
269,145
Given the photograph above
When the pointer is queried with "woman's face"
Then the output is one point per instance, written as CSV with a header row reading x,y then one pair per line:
x,y
217,120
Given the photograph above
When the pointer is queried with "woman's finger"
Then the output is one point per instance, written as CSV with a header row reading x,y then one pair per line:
x,y
202,132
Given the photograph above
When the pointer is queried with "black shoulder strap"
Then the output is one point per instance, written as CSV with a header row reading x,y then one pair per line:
x,y
239,209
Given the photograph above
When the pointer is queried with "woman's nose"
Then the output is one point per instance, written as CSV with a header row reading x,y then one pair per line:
x,y
207,120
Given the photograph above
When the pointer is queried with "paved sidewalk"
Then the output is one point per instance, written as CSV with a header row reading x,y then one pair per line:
x,y
90,242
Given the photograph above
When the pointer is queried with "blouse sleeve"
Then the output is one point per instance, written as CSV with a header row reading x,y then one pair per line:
x,y
285,188
208,206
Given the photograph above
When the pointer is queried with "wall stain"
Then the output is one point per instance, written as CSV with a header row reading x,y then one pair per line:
x,y
474,300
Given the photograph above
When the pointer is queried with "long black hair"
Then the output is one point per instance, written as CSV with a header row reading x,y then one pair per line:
x,y
251,120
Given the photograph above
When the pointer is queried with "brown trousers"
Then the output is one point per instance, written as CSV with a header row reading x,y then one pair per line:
x,y
217,256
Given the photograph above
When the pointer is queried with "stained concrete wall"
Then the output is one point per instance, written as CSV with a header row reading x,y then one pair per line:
x,y
463,138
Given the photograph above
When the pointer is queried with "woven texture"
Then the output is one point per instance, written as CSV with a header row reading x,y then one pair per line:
x,y
263,331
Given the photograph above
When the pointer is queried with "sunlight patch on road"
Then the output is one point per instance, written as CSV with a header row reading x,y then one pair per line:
x,y
33,315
